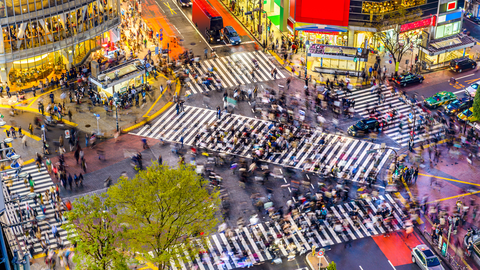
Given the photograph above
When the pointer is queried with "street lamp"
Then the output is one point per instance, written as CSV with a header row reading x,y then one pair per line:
x,y
115,99
307,46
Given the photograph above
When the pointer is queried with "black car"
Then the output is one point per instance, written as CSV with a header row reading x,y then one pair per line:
x,y
409,78
458,106
185,3
362,127
461,64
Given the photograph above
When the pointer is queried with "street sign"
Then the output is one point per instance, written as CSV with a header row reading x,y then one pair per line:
x,y
67,134
359,50
321,253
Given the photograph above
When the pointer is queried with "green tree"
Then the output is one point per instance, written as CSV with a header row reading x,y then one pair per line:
x,y
388,32
94,228
332,266
163,209
476,106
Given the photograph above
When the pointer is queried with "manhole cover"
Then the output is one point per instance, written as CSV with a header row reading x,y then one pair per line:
x,y
193,43
87,125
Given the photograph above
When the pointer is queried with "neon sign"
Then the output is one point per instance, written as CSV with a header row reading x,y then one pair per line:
x,y
418,24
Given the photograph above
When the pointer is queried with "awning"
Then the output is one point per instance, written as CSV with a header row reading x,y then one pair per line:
x,y
321,28
448,44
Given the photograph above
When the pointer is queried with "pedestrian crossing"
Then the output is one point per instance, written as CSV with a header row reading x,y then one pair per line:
x,y
366,100
18,197
297,234
316,151
232,70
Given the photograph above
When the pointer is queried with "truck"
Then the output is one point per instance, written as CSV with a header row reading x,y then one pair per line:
x,y
207,20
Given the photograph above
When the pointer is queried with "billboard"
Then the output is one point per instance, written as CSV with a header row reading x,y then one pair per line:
x,y
329,12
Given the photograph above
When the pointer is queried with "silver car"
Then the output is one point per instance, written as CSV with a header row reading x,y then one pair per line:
x,y
424,257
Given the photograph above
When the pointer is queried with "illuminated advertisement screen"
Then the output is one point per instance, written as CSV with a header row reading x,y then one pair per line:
x,y
329,12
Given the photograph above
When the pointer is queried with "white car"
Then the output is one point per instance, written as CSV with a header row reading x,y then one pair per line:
x,y
423,256
472,89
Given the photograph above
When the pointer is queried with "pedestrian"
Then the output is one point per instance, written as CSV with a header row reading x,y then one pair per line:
x,y
177,107
160,160
86,140
348,242
7,132
24,141
415,175
84,165
69,115
219,112
410,145
206,53
12,130
181,140
30,128
48,163
77,154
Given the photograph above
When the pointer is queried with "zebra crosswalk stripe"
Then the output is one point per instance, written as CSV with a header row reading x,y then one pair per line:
x,y
18,189
335,151
247,239
364,98
232,74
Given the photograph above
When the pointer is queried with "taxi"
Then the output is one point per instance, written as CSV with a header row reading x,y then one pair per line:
x,y
458,106
467,115
439,99
423,256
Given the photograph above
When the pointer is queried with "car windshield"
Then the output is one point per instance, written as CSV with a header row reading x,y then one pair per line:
x,y
360,125
454,104
433,261
233,34
474,86
467,113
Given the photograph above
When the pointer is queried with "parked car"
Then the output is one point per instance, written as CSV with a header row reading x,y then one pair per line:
x,y
439,99
363,127
461,64
467,115
424,257
472,89
409,78
231,36
458,106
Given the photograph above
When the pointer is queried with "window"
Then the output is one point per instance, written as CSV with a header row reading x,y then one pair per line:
x,y
439,32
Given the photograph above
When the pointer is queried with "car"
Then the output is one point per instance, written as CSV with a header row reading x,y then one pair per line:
x,y
409,78
362,127
185,3
458,106
424,257
467,115
461,64
230,36
439,99
472,89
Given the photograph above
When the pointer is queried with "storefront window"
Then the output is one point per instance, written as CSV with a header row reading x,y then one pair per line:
x,y
389,6
447,30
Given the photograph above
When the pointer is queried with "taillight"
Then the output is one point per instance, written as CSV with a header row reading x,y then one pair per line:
x,y
456,66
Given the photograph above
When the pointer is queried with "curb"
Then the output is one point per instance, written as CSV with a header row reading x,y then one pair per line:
x,y
148,119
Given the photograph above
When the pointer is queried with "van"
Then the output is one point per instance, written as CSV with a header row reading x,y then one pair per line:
x,y
461,64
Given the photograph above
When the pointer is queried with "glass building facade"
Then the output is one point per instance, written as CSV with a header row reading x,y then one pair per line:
x,y
42,37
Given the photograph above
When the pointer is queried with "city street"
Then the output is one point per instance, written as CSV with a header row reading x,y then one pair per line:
x,y
295,169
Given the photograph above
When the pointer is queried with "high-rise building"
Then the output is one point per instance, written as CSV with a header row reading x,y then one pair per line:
x,y
44,37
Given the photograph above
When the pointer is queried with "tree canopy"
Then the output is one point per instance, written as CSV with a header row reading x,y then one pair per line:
x,y
390,37
93,227
476,106
162,209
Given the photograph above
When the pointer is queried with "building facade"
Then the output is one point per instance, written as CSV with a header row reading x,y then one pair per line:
x,y
44,37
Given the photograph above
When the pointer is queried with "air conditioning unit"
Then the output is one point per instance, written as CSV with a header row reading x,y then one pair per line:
x,y
101,77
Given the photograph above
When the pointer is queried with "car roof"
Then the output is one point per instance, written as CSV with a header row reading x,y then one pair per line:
x,y
460,59
428,253
229,28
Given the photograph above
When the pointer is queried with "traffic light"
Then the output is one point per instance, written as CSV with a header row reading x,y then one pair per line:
x,y
355,59
161,36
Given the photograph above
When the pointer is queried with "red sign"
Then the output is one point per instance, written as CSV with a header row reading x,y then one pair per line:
x,y
329,12
419,24
452,5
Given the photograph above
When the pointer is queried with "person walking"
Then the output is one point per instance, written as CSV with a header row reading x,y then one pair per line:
x,y
7,132
415,175
219,112
70,181
84,165
24,141
30,128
